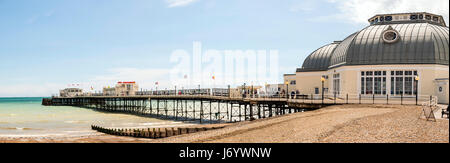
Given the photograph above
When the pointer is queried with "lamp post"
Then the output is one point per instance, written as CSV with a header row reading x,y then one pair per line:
x,y
287,90
251,89
323,84
156,84
417,89
245,92
266,93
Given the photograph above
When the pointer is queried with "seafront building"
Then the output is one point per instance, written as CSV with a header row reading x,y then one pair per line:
x,y
121,89
71,92
272,90
404,54
108,91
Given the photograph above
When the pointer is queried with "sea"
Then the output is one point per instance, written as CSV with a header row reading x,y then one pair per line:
x,y
27,118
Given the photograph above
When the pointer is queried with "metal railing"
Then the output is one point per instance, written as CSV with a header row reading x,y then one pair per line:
x,y
295,98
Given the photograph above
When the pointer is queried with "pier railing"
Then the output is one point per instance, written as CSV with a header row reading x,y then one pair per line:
x,y
291,98
224,105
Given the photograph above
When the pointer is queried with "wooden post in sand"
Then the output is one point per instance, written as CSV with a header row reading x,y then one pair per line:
x,y
346,99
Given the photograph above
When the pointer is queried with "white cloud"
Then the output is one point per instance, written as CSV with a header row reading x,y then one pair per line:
x,y
359,11
180,3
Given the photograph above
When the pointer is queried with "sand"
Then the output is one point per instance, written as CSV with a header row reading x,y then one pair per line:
x,y
335,124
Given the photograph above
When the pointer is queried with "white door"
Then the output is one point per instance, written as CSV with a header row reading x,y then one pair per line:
x,y
442,91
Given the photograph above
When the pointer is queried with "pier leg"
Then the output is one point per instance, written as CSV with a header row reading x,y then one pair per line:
x,y
157,108
210,111
201,111
270,110
240,113
251,111
176,110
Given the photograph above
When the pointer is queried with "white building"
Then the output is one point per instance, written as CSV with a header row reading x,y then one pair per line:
x,y
126,88
71,92
397,55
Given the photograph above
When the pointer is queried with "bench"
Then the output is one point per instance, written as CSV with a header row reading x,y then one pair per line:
x,y
445,112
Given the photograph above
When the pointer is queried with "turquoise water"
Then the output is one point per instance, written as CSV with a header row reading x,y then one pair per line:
x,y
26,117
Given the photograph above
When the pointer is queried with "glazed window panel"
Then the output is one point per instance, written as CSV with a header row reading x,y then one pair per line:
x,y
392,86
378,86
404,83
374,82
293,82
408,86
399,85
369,84
363,85
336,83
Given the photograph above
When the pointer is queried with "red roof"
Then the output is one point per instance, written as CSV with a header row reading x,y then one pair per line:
x,y
126,82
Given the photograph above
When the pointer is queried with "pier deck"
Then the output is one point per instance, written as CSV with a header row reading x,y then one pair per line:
x,y
201,108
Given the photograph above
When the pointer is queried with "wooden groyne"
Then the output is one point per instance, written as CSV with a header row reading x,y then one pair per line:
x,y
153,133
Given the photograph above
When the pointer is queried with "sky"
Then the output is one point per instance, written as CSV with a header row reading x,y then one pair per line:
x,y
47,45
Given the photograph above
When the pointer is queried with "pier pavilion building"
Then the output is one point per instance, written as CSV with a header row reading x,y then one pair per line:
x,y
405,54
71,92
126,88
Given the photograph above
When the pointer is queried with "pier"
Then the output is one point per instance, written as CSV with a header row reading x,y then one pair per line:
x,y
203,108
193,108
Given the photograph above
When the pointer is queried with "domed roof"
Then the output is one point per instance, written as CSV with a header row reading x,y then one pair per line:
x,y
418,43
319,60
385,43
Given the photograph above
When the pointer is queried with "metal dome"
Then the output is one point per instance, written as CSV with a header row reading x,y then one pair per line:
x,y
390,43
418,43
319,60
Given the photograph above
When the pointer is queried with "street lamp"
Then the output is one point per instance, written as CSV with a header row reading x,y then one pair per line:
x,y
323,84
287,89
244,95
417,89
252,93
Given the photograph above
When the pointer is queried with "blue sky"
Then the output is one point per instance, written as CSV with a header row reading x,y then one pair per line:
x,y
47,44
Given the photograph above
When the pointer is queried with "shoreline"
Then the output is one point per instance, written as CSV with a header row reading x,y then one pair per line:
x,y
334,124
